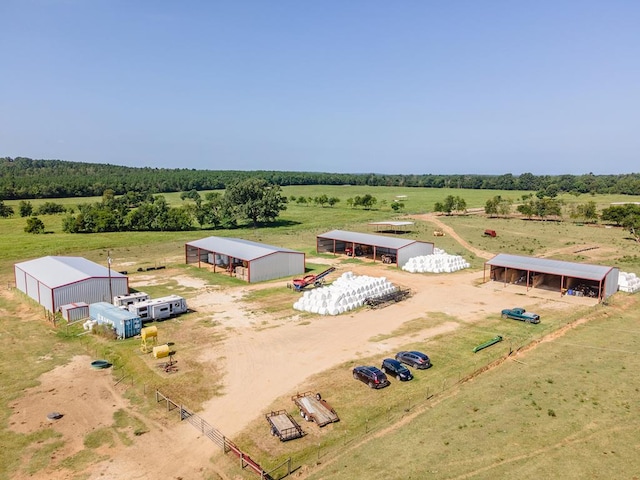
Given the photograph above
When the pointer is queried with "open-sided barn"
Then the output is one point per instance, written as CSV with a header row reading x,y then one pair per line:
x,y
57,281
567,278
377,247
250,261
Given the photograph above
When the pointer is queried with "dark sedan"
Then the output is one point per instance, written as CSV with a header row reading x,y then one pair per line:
x,y
414,359
372,376
395,369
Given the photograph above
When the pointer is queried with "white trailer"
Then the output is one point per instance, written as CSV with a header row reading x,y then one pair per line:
x,y
159,308
126,300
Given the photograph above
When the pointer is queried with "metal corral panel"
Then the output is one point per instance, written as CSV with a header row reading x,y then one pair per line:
x,y
125,323
74,311
417,249
276,265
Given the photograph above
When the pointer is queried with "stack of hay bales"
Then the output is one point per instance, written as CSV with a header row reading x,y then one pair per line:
x,y
628,282
346,293
438,262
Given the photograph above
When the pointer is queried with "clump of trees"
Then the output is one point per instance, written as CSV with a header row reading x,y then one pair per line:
x,y
366,201
253,199
6,210
34,225
541,206
626,216
498,206
451,204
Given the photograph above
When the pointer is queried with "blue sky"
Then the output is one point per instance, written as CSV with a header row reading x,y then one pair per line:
x,y
425,86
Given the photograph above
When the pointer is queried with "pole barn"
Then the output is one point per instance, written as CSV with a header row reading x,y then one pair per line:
x,y
244,259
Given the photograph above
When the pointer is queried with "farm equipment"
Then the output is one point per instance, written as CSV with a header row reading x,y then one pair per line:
x,y
438,233
283,426
316,280
490,233
383,300
488,343
314,409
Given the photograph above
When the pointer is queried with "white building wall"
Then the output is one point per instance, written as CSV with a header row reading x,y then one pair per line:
x,y
416,249
91,290
276,265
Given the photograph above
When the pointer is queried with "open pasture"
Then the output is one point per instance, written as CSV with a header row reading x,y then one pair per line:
x,y
439,401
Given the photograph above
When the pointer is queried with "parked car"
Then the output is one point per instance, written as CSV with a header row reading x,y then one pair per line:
x,y
395,369
372,376
414,359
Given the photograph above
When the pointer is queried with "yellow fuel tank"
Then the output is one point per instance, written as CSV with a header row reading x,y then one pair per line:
x,y
161,351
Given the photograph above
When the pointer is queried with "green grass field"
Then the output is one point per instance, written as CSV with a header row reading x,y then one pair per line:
x,y
567,406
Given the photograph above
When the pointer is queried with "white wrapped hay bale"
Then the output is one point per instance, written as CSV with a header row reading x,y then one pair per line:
x,y
438,262
628,282
346,293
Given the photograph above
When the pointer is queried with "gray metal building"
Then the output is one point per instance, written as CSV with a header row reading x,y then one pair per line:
x,y
375,247
247,260
567,278
57,281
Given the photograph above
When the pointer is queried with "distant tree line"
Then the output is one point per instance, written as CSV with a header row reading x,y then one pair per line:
x,y
25,178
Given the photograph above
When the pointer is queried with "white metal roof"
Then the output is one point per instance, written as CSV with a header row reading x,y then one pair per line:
x,y
368,239
393,224
554,267
238,247
58,271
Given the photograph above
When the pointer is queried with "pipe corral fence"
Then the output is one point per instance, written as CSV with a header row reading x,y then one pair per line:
x,y
220,440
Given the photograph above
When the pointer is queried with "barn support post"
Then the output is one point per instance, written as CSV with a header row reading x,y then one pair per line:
x,y
561,285
528,279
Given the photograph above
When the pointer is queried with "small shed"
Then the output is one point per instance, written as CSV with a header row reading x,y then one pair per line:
x,y
125,323
375,247
567,278
250,261
56,281
75,311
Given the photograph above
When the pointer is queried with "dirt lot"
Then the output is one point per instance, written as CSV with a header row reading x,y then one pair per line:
x,y
290,353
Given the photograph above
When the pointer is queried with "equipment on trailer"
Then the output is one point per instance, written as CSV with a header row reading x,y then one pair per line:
x,y
315,280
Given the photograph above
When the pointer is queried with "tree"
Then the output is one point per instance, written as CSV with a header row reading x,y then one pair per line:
x,y
333,200
34,225
25,208
586,211
632,223
397,206
366,201
321,200
5,210
256,199
491,206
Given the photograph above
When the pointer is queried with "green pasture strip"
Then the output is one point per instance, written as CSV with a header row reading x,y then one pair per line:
x,y
566,409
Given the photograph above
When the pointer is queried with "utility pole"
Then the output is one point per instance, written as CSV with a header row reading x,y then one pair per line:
x,y
109,266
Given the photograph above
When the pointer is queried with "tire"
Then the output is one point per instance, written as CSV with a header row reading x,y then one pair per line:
x,y
273,431
398,377
504,315
318,396
370,384
302,414
355,375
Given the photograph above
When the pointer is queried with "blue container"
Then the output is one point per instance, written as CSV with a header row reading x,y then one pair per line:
x,y
125,323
